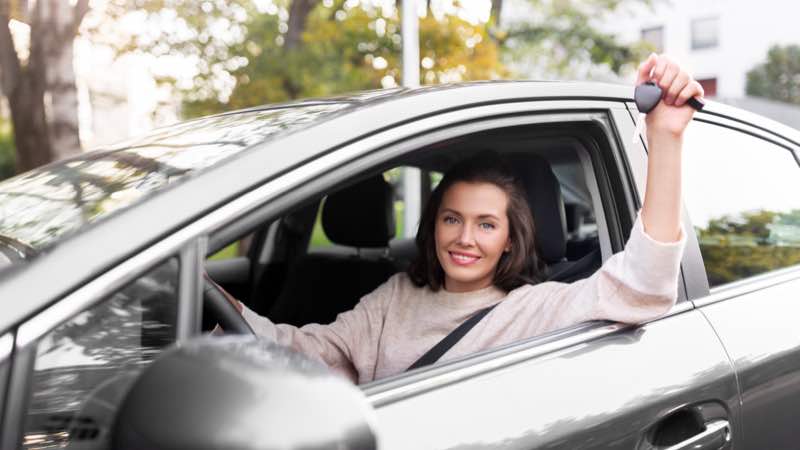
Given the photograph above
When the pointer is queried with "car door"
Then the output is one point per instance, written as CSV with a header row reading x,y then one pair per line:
x,y
664,383
741,190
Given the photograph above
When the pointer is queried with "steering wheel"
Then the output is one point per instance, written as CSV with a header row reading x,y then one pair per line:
x,y
216,303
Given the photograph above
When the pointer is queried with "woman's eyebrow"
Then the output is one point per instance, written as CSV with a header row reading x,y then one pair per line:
x,y
448,210
488,216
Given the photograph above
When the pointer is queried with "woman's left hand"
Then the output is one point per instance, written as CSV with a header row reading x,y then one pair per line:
x,y
672,114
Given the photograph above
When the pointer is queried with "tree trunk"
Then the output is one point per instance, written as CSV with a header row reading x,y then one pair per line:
x,y
298,15
24,88
60,22
43,131
497,9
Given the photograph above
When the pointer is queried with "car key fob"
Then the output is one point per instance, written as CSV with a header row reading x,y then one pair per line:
x,y
647,95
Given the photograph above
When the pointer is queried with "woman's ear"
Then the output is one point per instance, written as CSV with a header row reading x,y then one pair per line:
x,y
508,246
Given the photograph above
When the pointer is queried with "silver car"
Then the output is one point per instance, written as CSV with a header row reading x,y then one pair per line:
x,y
104,316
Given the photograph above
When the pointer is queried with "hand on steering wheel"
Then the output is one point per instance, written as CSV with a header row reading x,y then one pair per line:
x,y
217,304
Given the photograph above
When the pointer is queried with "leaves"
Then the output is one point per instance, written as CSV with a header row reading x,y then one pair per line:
x,y
241,58
747,244
561,37
779,77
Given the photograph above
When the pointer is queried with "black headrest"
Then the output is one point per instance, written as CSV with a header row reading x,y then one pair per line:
x,y
547,205
361,215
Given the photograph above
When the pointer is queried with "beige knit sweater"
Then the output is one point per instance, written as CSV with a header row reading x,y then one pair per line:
x,y
394,325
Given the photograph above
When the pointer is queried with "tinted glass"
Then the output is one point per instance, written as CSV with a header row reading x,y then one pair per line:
x,y
84,366
743,195
39,207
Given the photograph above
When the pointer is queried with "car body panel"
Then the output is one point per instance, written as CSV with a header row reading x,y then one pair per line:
x,y
758,323
552,401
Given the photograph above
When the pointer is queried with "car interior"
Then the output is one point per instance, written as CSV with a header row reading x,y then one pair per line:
x,y
319,258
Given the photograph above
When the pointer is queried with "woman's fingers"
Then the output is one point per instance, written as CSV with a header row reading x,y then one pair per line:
x,y
646,68
692,89
677,85
660,69
670,73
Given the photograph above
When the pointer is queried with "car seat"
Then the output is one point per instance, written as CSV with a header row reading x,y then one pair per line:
x,y
547,206
319,286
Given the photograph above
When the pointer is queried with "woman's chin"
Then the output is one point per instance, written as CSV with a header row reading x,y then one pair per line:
x,y
458,281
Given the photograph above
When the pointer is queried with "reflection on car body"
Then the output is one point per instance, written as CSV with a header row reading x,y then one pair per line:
x,y
101,258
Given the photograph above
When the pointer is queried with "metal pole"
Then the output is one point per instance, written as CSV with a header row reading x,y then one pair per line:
x,y
410,35
412,179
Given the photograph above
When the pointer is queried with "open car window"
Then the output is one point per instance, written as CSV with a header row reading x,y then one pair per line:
x,y
312,264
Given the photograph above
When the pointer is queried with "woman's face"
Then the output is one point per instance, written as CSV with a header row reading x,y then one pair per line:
x,y
471,234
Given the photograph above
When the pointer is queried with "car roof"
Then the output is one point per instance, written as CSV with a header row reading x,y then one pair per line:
x,y
247,149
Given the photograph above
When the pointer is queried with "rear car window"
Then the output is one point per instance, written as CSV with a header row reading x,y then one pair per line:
x,y
742,195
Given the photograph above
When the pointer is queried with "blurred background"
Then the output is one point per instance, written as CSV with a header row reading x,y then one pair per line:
x,y
80,74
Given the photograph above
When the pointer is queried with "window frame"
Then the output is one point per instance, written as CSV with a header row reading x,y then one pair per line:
x,y
643,35
700,20
699,292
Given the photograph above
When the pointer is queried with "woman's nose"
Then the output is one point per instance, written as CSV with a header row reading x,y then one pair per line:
x,y
465,235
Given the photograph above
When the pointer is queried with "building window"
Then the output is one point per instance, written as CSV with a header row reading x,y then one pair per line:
x,y
705,33
709,86
655,37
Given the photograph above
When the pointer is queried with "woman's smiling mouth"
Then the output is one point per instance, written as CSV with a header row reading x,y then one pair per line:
x,y
463,259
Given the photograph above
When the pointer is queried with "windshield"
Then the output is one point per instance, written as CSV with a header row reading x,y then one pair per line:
x,y
39,207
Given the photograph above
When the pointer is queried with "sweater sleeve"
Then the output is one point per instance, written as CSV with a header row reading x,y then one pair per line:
x,y
633,286
348,345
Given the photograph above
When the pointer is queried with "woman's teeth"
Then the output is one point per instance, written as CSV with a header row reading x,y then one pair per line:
x,y
463,258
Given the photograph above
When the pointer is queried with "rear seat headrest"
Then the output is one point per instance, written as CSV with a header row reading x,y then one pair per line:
x,y
360,215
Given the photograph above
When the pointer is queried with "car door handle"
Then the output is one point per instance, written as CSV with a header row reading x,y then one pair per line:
x,y
715,436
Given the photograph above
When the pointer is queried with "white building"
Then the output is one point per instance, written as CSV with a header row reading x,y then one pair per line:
x,y
719,41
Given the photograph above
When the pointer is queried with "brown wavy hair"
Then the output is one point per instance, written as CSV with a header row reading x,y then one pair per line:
x,y
519,266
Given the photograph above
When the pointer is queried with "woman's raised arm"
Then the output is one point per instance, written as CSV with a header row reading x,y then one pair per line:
x,y
661,211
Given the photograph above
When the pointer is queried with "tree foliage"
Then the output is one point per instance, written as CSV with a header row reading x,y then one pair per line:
x,y
561,38
268,55
779,77
738,246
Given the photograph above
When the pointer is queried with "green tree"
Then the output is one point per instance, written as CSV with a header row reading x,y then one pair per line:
x,y
562,38
779,77
753,242
350,50
288,49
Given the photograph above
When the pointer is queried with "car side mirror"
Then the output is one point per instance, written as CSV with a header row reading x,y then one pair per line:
x,y
240,392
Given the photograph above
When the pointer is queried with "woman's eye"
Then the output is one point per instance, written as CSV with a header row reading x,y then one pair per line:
x,y
450,220
487,226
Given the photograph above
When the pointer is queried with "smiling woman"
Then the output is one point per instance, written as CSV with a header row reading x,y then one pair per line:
x,y
477,230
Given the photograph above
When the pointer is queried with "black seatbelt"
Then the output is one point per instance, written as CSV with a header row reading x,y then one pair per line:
x,y
436,352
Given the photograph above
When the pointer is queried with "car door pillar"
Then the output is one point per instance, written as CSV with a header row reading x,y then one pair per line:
x,y
190,288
